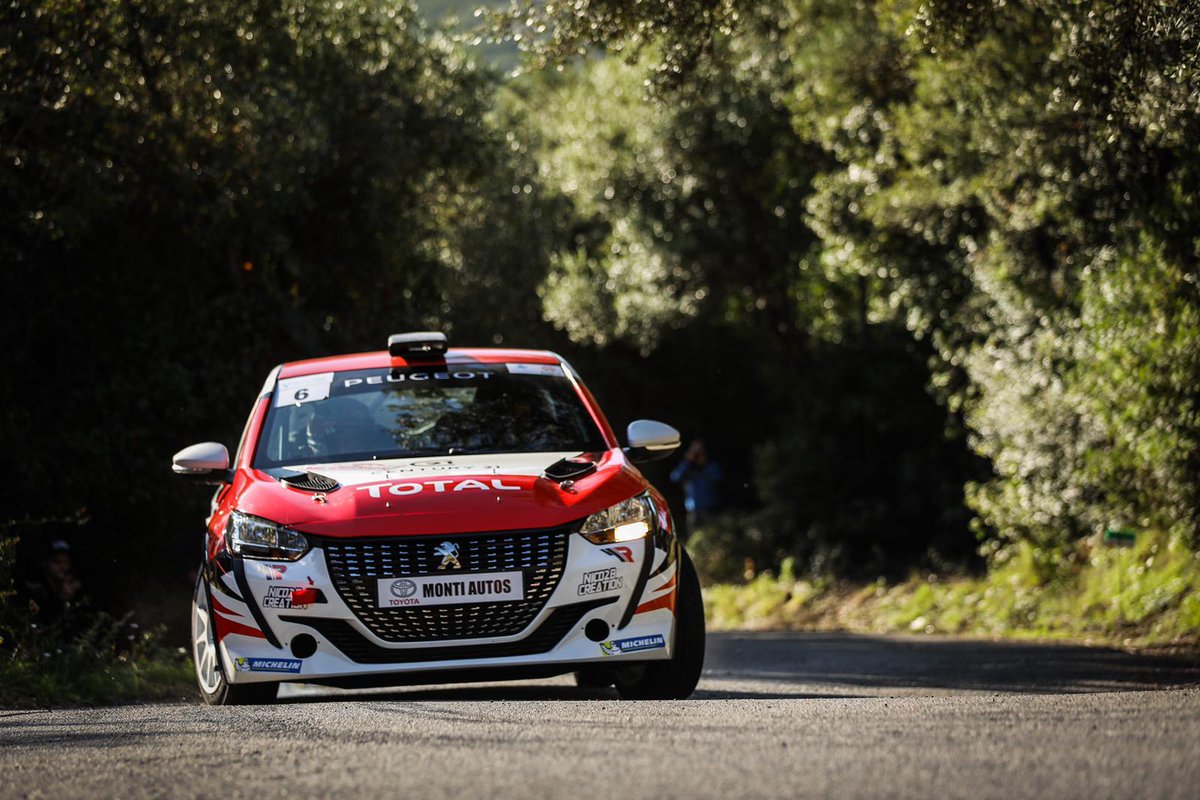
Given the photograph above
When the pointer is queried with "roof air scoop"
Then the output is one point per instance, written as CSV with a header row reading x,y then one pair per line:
x,y
425,344
309,482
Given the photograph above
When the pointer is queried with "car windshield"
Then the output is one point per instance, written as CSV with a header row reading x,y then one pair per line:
x,y
411,412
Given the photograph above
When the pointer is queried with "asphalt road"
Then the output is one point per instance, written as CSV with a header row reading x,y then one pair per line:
x,y
777,715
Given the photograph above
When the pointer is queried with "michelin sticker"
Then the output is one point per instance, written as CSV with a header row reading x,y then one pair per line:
x,y
619,647
600,581
305,389
267,665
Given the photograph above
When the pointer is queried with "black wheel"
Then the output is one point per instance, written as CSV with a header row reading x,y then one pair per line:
x,y
675,679
210,677
592,677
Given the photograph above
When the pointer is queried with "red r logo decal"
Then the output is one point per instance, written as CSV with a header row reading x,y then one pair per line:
x,y
619,552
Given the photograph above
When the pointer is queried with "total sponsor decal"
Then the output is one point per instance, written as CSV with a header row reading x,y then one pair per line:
x,y
600,581
267,665
447,590
416,487
619,647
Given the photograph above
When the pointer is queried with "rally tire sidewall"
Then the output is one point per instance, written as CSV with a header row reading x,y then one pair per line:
x,y
676,678
224,693
213,694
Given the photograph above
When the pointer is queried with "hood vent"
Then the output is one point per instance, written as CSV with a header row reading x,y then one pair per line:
x,y
570,469
310,482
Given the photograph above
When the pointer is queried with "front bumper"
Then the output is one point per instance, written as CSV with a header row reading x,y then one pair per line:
x,y
608,604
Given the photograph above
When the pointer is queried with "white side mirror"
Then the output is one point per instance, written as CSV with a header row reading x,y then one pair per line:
x,y
650,440
201,459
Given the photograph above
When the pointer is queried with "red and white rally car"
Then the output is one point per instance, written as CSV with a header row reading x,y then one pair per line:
x,y
428,515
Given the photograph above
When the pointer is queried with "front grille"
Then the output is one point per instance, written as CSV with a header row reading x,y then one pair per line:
x,y
342,635
356,565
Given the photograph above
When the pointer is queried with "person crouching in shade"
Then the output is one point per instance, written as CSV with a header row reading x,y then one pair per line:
x,y
53,591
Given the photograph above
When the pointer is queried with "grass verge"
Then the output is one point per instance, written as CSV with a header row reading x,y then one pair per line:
x,y
111,661
1142,596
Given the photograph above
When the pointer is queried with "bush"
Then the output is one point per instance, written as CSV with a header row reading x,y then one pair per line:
x,y
1146,594
107,660
82,658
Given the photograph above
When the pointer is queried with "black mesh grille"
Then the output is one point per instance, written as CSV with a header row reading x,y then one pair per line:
x,y
312,482
342,635
356,565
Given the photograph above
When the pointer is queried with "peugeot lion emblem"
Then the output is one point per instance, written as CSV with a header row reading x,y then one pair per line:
x,y
449,553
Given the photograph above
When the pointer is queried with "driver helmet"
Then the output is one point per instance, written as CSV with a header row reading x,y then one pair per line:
x,y
340,425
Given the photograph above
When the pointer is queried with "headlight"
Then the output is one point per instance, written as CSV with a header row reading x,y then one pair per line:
x,y
628,520
257,538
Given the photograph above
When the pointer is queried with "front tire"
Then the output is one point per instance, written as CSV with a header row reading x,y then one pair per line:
x,y
210,677
675,679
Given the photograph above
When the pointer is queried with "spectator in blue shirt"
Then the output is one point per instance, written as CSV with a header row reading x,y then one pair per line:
x,y
699,476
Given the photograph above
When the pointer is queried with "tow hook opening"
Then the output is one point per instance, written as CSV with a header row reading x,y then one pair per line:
x,y
303,646
597,630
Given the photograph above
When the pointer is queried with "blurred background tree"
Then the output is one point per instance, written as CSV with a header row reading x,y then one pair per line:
x,y
923,274
194,192
1014,185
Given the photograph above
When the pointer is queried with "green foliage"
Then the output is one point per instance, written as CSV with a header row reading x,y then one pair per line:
x,y
692,217
904,263
555,32
1136,376
730,545
1013,216
673,207
763,599
1014,184
622,280
459,19
8,557
1142,595
109,661
193,192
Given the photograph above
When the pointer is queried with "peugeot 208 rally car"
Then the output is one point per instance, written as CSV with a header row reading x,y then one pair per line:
x,y
426,515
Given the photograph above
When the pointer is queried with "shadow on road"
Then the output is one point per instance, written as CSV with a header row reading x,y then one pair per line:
x,y
458,692
873,663
836,665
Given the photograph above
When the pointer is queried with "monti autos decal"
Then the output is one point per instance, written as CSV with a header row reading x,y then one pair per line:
x,y
620,646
